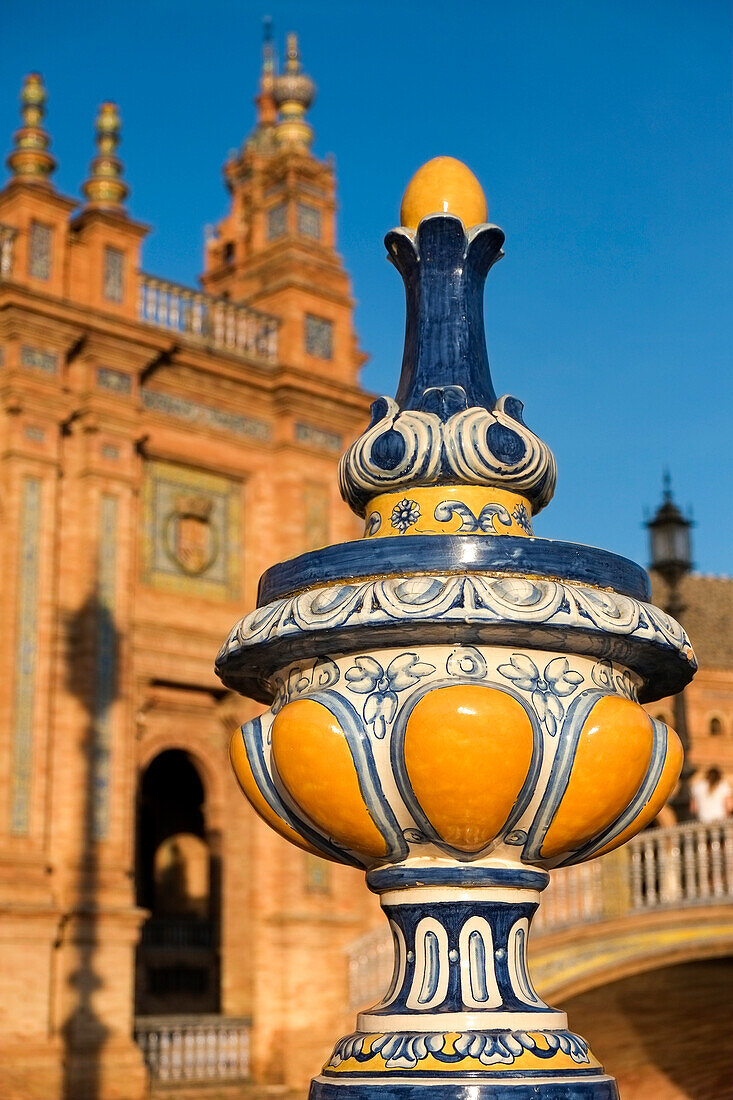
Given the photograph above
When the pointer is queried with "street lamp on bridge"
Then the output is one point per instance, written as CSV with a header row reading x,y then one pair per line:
x,y
670,553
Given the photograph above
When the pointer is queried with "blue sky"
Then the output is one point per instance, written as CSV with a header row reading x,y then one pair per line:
x,y
601,132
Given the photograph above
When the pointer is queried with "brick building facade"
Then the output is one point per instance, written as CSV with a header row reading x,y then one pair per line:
x,y
160,447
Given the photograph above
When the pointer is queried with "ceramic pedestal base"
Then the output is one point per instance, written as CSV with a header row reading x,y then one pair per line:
x,y
461,1020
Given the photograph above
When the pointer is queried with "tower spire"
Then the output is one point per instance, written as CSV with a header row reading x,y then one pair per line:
x,y
266,109
105,189
294,93
262,138
30,159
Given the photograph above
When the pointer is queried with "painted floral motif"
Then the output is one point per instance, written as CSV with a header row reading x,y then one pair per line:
x,y
367,677
324,673
557,681
486,521
606,677
466,661
404,514
521,516
373,523
403,1050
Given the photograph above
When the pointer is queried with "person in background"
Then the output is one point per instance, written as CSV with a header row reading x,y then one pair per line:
x,y
712,797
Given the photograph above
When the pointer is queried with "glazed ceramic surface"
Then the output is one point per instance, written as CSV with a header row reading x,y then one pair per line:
x,y
455,703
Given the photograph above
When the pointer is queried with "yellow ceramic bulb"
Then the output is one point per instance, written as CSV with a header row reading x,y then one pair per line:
x,y
443,185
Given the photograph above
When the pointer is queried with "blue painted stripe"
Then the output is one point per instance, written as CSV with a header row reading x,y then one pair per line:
x,y
407,554
366,770
252,736
470,1087
568,736
641,798
394,878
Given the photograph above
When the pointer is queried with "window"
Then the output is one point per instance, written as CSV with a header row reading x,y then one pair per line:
x,y
228,252
277,221
716,727
309,221
39,251
114,270
318,337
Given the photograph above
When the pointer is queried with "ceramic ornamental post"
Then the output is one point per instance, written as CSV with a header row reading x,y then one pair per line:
x,y
454,703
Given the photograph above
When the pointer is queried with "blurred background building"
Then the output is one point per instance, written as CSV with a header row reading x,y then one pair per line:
x,y
160,446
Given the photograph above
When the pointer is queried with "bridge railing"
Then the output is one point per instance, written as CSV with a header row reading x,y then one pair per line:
x,y
685,865
218,322
689,864
180,1049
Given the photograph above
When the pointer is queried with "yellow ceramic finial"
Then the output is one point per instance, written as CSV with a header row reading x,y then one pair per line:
x,y
30,160
105,189
443,185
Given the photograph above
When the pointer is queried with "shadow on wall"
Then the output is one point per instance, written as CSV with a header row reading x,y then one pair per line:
x,y
92,652
664,1034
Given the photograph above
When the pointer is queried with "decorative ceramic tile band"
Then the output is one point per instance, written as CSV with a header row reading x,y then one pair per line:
x,y
449,509
500,610
25,657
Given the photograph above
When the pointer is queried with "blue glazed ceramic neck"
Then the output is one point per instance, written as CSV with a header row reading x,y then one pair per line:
x,y
445,366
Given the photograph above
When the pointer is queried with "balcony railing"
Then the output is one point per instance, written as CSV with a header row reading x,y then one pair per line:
x,y
685,865
207,319
180,1049
176,932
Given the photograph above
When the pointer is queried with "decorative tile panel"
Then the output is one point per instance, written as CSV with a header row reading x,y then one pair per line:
x,y
317,437
35,359
39,250
105,665
206,415
117,381
277,221
309,221
25,656
317,506
114,274
192,534
318,337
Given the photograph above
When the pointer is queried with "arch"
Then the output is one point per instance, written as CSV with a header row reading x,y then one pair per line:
x,y
652,1027
577,960
212,777
177,878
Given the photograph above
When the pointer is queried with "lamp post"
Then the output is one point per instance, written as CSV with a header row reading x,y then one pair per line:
x,y
670,554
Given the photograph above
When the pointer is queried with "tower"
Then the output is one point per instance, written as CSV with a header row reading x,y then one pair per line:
x,y
276,247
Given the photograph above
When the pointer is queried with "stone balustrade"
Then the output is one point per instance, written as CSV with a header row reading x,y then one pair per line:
x,y
195,1049
688,864
685,865
7,249
216,322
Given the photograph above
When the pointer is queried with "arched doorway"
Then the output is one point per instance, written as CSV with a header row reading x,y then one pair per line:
x,y
177,880
664,1033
